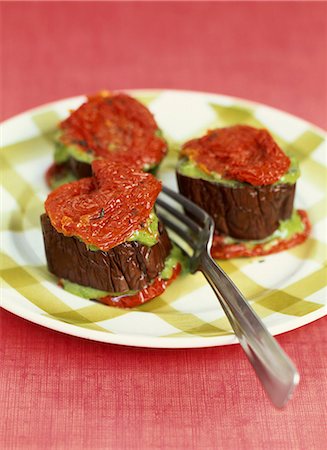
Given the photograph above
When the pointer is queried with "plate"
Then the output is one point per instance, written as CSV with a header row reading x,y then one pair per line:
x,y
287,290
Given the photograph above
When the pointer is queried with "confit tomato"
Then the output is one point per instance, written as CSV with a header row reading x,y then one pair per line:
x,y
241,153
105,209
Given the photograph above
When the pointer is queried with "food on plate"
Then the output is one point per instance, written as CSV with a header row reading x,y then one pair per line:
x,y
243,179
110,126
103,239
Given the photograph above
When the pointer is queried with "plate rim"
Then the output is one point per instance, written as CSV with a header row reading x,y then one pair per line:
x,y
138,340
161,90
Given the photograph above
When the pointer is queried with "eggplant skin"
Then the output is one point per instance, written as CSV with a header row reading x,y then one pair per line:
x,y
130,266
247,212
78,168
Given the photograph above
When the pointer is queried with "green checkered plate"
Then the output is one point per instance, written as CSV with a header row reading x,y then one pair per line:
x,y
287,290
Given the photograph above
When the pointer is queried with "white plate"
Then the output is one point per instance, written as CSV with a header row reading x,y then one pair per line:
x,y
287,290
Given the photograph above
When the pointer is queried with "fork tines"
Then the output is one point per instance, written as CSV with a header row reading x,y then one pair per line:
x,y
189,222
189,206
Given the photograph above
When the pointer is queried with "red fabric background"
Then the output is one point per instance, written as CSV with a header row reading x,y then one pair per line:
x,y
58,391
273,53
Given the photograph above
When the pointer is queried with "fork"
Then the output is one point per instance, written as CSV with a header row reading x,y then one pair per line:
x,y
275,370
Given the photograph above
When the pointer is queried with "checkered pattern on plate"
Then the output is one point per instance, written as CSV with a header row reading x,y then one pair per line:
x,y
286,289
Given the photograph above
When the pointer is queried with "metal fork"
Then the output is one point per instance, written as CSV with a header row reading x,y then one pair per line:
x,y
275,370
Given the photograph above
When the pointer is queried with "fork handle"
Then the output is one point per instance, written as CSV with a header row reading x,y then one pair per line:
x,y
273,367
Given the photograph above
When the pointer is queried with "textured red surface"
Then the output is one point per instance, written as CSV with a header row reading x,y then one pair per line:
x,y
65,392
117,122
105,209
61,392
240,153
271,53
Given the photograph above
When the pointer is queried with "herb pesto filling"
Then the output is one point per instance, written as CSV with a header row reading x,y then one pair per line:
x,y
80,153
147,235
189,168
64,152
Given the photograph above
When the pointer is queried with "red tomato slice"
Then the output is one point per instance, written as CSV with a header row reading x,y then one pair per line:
x,y
106,209
239,153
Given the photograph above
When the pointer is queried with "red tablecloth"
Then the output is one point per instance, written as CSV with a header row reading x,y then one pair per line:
x,y
62,392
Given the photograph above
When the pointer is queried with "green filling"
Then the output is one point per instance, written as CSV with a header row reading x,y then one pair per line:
x,y
286,230
293,172
175,256
159,133
148,235
61,154
151,169
68,177
92,248
89,292
190,169
64,152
